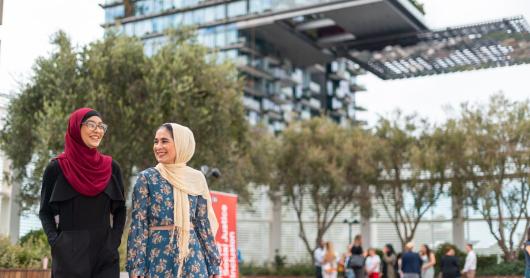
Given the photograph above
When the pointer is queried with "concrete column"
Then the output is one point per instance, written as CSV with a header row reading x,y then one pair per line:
x,y
14,213
366,232
275,233
458,221
4,215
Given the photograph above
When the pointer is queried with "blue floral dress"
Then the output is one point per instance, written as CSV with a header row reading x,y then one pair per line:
x,y
151,253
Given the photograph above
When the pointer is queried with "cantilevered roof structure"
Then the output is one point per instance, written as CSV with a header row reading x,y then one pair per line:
x,y
498,43
388,38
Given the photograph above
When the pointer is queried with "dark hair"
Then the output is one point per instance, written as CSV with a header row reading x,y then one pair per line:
x,y
470,245
427,250
449,249
169,128
528,234
390,249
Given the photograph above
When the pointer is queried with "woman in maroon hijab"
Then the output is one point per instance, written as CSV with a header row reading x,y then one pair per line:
x,y
82,207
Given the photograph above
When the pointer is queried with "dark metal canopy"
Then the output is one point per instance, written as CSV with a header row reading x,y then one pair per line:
x,y
388,38
499,43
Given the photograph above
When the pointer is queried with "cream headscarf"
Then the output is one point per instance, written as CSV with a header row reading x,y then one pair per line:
x,y
185,181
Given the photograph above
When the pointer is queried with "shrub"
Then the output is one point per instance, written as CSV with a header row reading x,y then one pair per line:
x,y
297,269
511,268
27,253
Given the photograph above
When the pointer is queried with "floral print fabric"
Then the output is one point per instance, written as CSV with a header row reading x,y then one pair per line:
x,y
154,253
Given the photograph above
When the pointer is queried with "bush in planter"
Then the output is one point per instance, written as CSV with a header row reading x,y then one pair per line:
x,y
296,269
511,268
27,253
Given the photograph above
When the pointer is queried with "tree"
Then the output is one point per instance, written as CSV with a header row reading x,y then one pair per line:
x,y
498,153
312,161
135,94
410,174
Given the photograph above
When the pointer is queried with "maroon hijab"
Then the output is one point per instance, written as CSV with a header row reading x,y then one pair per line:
x,y
87,170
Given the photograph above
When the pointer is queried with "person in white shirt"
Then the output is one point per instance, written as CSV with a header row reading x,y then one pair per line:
x,y
373,264
470,266
318,256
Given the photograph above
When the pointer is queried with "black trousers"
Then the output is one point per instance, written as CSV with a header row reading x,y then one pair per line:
x,y
86,254
318,270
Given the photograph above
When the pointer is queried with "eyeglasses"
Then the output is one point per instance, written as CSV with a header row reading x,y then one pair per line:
x,y
93,126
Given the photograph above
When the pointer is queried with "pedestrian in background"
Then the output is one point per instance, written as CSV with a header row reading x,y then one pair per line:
x,y
357,259
429,260
318,256
470,266
389,262
449,264
373,264
410,262
348,270
330,262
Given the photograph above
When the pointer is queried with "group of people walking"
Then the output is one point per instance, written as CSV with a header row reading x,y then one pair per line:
x,y
357,263
83,212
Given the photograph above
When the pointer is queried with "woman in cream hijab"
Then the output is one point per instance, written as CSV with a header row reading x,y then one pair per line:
x,y
173,223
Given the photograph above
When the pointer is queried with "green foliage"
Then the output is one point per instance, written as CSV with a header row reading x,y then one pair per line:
x,y
495,148
28,253
299,269
135,95
411,162
313,162
515,268
279,260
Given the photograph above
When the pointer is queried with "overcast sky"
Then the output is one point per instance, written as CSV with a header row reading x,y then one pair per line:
x,y
28,25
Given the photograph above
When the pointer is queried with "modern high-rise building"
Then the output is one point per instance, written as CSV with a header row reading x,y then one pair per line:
x,y
300,58
287,77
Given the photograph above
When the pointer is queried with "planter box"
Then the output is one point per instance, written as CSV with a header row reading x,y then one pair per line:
x,y
25,273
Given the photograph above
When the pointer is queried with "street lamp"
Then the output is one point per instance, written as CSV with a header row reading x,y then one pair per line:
x,y
213,172
350,224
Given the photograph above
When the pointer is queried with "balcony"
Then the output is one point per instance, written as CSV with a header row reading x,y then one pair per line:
x,y
251,104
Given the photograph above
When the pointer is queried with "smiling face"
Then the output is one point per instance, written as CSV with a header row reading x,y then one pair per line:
x,y
90,137
164,146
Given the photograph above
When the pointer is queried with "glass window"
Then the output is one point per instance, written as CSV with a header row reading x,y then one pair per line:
x,y
155,25
142,27
178,3
220,38
260,6
143,7
237,8
177,20
220,12
168,4
198,16
231,34
113,13
129,29
209,14
189,3
188,18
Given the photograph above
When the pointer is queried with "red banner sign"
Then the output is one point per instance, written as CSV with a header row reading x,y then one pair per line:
x,y
225,207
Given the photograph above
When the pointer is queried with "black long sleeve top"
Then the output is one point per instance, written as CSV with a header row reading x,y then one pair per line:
x,y
78,212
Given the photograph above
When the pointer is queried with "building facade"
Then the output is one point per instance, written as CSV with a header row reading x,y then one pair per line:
x,y
279,88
